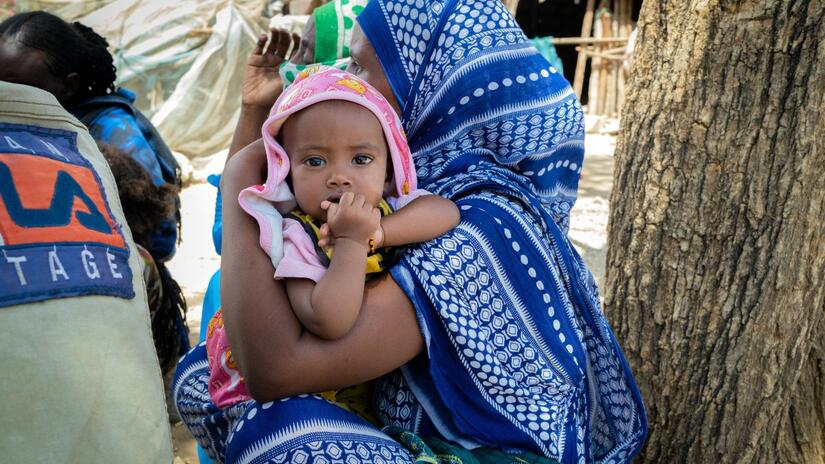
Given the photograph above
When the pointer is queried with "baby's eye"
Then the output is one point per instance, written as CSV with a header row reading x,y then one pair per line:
x,y
314,161
362,159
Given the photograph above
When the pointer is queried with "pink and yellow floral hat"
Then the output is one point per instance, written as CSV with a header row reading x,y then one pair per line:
x,y
268,202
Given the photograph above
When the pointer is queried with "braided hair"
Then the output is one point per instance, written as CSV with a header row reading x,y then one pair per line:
x,y
69,48
145,204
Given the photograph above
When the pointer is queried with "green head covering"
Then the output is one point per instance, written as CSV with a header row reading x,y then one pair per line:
x,y
333,32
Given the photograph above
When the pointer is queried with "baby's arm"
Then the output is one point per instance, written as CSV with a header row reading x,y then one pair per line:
x,y
330,307
423,219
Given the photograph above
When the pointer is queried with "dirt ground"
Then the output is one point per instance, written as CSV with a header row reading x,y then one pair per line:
x,y
196,260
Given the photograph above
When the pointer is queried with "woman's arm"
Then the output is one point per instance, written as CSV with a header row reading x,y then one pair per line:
x,y
425,218
276,356
248,128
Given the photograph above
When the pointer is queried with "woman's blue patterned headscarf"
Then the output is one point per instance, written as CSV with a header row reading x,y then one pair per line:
x,y
519,354
470,82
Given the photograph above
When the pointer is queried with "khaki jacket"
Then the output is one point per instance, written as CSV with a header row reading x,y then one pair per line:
x,y
80,380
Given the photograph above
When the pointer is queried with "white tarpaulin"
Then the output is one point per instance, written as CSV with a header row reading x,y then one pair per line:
x,y
185,60
200,115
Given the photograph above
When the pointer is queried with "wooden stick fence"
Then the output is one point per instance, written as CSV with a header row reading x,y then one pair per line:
x,y
604,34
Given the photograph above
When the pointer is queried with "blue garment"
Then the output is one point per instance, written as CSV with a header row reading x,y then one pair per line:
x,y
217,223
212,298
305,428
211,302
308,428
114,120
518,352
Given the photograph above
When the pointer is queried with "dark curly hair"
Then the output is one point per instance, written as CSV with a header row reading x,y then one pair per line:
x,y
145,205
69,48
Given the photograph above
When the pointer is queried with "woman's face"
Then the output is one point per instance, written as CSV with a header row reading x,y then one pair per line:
x,y
23,65
365,64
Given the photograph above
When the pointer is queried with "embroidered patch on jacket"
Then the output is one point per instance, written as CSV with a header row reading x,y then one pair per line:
x,y
58,237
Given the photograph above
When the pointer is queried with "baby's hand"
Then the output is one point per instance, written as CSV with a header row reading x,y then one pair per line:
x,y
352,218
325,238
378,237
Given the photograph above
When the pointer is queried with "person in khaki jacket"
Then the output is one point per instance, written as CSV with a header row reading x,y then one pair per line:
x,y
81,380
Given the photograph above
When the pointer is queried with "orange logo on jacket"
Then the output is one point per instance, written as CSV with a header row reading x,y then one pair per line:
x,y
44,200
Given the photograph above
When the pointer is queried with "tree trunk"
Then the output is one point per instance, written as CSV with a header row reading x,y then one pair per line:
x,y
716,260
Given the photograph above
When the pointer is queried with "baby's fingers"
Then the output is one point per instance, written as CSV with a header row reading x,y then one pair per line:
x,y
360,201
332,210
323,236
346,199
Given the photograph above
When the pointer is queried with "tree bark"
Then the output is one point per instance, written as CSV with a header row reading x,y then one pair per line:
x,y
716,260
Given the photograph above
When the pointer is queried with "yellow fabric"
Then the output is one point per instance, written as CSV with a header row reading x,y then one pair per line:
x,y
81,380
375,261
356,399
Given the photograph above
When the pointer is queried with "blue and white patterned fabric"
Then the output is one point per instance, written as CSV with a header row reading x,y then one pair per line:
x,y
519,353
301,429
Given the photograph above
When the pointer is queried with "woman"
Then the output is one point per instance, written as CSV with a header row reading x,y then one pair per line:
x,y
496,325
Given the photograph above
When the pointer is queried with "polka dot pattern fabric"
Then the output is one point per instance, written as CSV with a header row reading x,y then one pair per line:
x,y
468,78
299,429
519,353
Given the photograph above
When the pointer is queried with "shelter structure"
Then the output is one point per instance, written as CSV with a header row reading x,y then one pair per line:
x,y
591,38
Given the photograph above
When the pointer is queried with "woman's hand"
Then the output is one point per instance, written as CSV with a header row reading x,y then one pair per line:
x,y
261,84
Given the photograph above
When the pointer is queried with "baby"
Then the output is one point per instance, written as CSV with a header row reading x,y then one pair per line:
x,y
340,193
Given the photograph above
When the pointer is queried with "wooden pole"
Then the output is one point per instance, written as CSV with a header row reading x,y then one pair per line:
x,y
581,62
588,40
613,56
613,80
605,65
625,28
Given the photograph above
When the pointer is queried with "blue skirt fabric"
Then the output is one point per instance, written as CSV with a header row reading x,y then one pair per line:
x,y
304,428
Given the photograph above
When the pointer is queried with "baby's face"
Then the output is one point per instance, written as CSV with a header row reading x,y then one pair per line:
x,y
335,147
